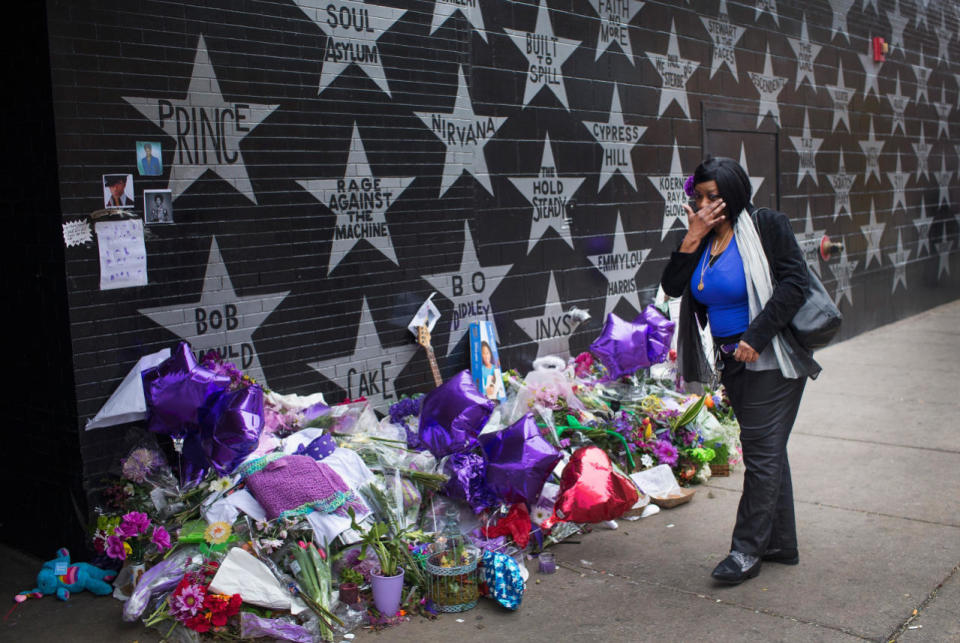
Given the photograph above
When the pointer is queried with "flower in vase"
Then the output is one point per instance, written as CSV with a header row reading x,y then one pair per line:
x,y
135,523
666,453
115,548
219,485
217,533
161,538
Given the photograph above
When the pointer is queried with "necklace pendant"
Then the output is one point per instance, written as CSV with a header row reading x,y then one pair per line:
x,y
700,286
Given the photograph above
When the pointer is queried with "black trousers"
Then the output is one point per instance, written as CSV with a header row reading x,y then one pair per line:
x,y
766,404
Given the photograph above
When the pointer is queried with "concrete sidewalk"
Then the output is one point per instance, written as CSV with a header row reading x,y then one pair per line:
x,y
874,458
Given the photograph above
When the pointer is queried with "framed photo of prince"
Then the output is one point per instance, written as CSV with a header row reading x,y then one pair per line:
x,y
157,206
149,158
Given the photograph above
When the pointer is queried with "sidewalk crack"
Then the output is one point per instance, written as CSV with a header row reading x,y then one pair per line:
x,y
900,629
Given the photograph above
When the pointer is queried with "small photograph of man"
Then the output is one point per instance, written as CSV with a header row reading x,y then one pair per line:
x,y
149,158
158,206
118,191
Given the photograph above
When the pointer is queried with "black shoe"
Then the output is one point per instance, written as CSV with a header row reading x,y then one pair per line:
x,y
737,567
782,556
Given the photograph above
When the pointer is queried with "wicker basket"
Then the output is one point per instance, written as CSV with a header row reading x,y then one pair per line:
x,y
684,494
637,509
452,589
721,470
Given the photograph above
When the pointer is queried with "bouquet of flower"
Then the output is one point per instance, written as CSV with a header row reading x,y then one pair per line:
x,y
193,605
133,538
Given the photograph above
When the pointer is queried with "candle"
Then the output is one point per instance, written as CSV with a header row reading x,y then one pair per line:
x,y
548,564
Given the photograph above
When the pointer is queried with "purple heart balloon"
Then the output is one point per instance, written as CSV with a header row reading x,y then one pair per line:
x,y
519,461
181,360
622,346
452,416
232,427
659,333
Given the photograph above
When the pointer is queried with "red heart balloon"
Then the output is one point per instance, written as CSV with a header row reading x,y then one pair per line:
x,y
591,491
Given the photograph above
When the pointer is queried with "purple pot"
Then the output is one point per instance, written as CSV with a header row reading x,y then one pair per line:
x,y
387,592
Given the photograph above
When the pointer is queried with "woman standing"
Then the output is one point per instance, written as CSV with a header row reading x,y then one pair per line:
x,y
740,268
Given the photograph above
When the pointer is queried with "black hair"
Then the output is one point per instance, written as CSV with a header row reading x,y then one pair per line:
x,y
732,183
110,180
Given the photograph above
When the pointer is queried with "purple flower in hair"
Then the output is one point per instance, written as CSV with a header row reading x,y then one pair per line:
x,y
688,186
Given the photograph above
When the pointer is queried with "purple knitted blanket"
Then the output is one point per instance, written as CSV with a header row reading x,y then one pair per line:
x,y
295,485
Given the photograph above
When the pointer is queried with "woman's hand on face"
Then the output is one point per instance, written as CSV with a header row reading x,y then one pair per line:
x,y
701,222
745,353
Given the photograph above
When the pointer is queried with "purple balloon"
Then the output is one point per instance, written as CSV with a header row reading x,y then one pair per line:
x,y
519,461
452,416
659,333
232,427
622,346
181,360
176,389
467,473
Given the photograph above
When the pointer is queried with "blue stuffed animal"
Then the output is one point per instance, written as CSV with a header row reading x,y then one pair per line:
x,y
59,577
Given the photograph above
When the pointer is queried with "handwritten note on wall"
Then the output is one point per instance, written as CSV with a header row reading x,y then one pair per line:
x,y
123,256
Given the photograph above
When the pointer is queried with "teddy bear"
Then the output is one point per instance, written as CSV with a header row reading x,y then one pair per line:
x,y
59,577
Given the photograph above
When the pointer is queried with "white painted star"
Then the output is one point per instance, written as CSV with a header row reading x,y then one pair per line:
x,y
899,260
619,267
615,20
674,73
360,200
469,9
842,182
469,289
867,3
617,139
725,36
897,23
840,95
944,36
545,54
898,106
842,273
899,181
943,181
464,134
670,187
550,195
220,320
872,69
206,127
806,53
873,232
922,150
922,224
871,150
943,248
809,241
943,113
551,330
921,7
922,74
767,6
371,370
769,87
352,28
755,181
806,147
840,9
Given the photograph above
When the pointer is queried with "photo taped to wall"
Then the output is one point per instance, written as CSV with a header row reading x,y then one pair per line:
x,y
117,190
157,206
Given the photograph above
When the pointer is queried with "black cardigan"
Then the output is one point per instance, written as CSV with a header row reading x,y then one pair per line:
x,y
789,271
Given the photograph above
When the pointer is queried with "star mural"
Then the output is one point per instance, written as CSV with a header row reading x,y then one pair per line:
x,y
898,107
943,247
372,369
922,74
842,182
922,150
840,95
464,134
617,139
469,289
550,195
210,147
921,7
899,259
352,28
809,241
220,320
725,35
769,87
615,20
842,272
674,73
443,9
872,69
872,233
871,150
545,54
943,113
898,22
840,9
670,187
869,3
755,181
620,267
943,181
922,224
551,330
806,53
360,200
807,147
769,7
899,180
944,36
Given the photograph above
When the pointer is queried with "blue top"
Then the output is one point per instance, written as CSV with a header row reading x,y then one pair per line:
x,y
724,291
150,167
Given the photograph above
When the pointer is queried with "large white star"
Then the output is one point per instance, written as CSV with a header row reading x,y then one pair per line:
x,y
873,232
943,113
922,14
550,195
371,370
670,187
840,10
617,139
545,54
352,28
806,53
842,182
469,9
922,224
871,150
469,289
922,150
872,69
899,180
725,36
897,23
899,260
615,20
922,74
806,147
360,200
755,181
944,36
898,106
552,330
207,129
767,6
769,87
842,273
867,3
809,241
674,73
620,267
220,320
943,248
943,181
464,134
840,95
